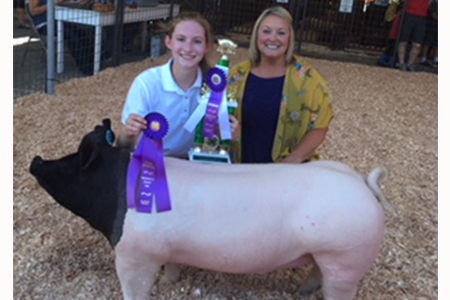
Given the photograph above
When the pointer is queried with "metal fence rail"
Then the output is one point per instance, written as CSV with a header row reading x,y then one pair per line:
x,y
89,35
104,33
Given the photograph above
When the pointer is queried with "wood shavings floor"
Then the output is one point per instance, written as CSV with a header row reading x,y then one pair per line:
x,y
382,117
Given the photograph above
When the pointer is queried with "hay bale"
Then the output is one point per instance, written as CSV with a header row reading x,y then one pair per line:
x,y
383,117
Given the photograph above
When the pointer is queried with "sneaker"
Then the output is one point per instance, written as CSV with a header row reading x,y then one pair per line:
x,y
402,67
425,63
410,68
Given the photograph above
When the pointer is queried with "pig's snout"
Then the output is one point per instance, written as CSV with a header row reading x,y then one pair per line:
x,y
36,164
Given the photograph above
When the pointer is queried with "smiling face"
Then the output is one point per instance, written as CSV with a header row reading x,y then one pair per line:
x,y
188,44
273,38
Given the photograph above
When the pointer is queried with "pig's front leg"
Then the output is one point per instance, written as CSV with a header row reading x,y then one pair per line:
x,y
137,275
172,274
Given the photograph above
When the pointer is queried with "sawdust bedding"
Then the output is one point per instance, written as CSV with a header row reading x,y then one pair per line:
x,y
382,117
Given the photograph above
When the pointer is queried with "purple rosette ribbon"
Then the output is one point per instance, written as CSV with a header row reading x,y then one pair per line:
x,y
147,181
217,81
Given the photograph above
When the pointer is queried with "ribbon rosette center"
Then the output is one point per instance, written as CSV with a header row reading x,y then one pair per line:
x,y
216,79
155,126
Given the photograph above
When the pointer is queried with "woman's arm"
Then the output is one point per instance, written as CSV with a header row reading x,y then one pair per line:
x,y
307,147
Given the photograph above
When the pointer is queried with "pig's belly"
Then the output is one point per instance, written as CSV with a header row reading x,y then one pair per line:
x,y
242,263
226,243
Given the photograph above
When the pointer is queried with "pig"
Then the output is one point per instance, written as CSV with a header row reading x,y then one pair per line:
x,y
239,218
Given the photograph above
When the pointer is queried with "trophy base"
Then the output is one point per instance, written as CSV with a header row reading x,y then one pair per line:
x,y
208,158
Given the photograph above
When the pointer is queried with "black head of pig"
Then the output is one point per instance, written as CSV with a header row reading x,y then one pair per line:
x,y
91,183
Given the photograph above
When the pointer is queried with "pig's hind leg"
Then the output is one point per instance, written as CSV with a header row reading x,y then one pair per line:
x,y
137,275
341,273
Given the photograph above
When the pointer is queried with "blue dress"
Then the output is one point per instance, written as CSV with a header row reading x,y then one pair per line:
x,y
260,112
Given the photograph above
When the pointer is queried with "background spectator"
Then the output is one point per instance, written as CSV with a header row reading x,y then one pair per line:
x,y
429,51
412,30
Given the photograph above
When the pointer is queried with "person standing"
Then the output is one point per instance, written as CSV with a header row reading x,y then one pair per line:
x,y
412,30
284,104
430,46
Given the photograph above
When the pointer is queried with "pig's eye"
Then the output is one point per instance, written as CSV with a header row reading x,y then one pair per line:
x,y
110,137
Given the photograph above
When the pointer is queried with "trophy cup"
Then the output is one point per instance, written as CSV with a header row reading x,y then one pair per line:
x,y
213,113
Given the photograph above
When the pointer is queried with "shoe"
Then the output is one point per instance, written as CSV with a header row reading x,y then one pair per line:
x,y
383,61
425,63
410,68
402,67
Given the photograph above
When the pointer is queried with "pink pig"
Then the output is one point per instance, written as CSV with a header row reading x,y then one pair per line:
x,y
227,218
256,219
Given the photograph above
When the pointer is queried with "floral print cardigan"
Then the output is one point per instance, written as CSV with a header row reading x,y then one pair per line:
x,y
305,106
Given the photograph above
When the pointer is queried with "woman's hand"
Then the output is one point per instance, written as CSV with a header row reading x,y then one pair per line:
x,y
235,128
307,147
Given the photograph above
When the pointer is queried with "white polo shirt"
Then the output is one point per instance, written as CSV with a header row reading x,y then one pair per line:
x,y
155,90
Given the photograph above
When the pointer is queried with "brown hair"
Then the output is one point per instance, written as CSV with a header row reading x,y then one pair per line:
x,y
278,11
169,28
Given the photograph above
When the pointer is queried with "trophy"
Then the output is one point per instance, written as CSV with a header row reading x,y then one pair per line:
x,y
211,118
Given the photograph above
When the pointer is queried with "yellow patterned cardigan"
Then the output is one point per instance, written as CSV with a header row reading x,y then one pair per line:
x,y
306,105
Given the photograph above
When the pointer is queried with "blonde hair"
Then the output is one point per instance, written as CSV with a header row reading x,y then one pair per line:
x,y
282,13
169,28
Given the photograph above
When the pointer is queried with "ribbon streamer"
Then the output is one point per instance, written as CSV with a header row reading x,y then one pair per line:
x,y
147,181
212,115
213,109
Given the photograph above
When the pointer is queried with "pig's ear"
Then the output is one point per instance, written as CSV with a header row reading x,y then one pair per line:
x,y
88,152
107,123
105,135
